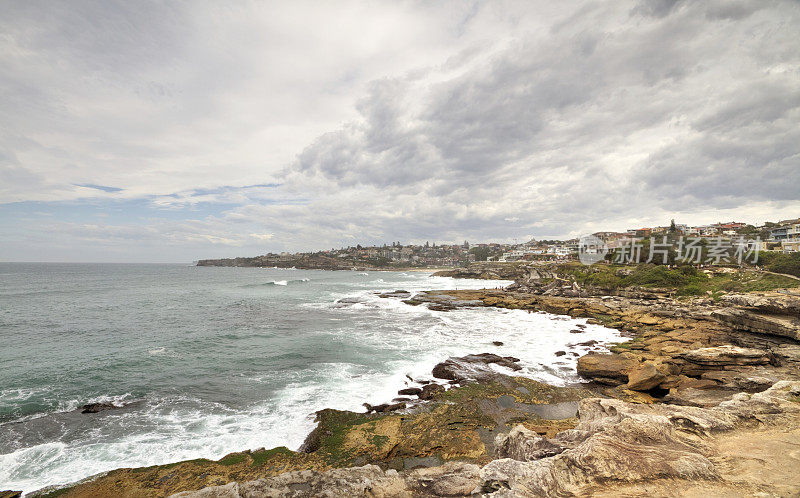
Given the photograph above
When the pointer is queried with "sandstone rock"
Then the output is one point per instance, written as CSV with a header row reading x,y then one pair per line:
x,y
776,325
773,302
10,494
645,376
606,366
451,479
726,355
523,444
691,396
788,354
624,442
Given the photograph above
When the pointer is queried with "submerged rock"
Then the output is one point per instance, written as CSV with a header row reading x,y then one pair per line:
x,y
98,407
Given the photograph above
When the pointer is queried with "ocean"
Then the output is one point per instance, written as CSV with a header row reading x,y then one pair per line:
x,y
208,360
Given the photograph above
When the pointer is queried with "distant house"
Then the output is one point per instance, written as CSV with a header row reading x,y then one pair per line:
x,y
791,243
640,232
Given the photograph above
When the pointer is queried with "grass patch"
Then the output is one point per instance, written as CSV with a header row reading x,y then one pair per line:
x,y
685,281
262,457
234,459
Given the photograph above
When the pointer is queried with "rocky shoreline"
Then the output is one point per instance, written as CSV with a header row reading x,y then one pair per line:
x,y
703,391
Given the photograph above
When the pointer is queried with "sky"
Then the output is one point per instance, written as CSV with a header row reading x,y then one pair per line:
x,y
175,131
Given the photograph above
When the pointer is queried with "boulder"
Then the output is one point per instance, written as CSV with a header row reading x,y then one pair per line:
x,y
523,444
385,407
645,376
606,366
430,390
10,494
410,391
451,479
473,367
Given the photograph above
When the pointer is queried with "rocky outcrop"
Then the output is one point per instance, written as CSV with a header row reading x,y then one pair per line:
x,y
646,376
452,479
473,367
616,443
775,303
624,442
774,325
606,368
726,356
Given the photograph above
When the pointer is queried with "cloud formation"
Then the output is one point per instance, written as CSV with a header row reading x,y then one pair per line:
x,y
249,128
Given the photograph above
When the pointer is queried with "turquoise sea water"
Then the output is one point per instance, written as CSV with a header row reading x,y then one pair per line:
x,y
206,361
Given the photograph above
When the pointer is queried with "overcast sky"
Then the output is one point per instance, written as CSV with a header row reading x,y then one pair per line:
x,y
137,131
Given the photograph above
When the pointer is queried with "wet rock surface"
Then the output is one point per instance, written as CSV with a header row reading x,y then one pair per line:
x,y
98,407
474,367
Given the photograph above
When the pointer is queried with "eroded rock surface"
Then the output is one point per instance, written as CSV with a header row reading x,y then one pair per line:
x,y
615,442
625,442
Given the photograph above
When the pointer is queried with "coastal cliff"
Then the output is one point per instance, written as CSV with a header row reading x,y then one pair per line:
x,y
704,398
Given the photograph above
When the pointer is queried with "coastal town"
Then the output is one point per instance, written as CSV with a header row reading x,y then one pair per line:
x,y
781,236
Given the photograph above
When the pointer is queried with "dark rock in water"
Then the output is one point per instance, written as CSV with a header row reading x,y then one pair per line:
x,y
402,399
587,343
385,407
349,300
580,326
441,307
98,407
398,293
560,353
473,367
576,331
10,494
412,391
497,343
430,390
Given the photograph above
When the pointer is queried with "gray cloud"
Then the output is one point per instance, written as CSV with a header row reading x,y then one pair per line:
x,y
413,121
